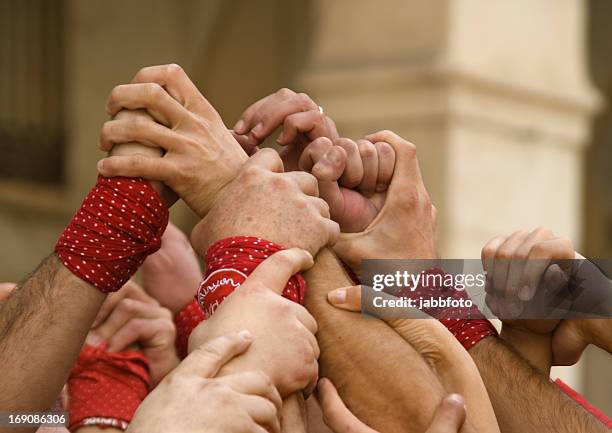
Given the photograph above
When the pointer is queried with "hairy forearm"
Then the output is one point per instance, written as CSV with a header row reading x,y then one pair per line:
x,y
43,324
381,378
535,348
523,398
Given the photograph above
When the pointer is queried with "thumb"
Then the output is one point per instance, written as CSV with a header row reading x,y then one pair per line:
x,y
346,298
207,360
268,159
276,270
450,415
335,413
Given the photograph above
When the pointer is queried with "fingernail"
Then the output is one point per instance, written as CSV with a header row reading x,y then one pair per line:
x,y
239,126
456,399
381,187
100,165
337,296
280,137
524,293
246,335
258,128
93,340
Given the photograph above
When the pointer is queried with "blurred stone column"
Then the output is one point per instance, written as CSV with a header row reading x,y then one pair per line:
x,y
495,94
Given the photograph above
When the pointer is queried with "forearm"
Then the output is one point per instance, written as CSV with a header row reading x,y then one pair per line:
x,y
355,351
43,324
535,348
523,398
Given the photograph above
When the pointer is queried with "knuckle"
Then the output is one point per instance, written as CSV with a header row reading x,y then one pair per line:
x,y
127,305
304,100
285,92
504,253
153,91
174,70
107,129
367,150
264,378
282,259
543,232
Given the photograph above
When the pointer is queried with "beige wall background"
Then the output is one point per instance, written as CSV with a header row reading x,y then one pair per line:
x,y
506,101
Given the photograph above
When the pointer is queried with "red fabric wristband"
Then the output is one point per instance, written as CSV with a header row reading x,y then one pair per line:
x,y
119,224
186,321
228,263
105,389
578,398
466,323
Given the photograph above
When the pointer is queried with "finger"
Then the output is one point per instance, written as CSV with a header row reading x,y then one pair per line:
x,y
449,416
267,158
206,360
504,256
346,298
306,318
312,340
369,159
518,262
250,117
487,256
354,168
246,142
305,181
540,256
125,310
311,123
313,153
129,290
335,413
261,410
331,165
150,96
178,85
320,205
254,383
137,165
386,165
333,231
6,289
148,332
275,271
407,171
273,113
137,129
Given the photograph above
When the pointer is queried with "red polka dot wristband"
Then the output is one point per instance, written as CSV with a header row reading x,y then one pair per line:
x,y
119,224
228,264
467,324
105,389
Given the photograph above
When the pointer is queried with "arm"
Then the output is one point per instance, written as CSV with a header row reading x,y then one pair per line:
x,y
378,394
523,398
36,346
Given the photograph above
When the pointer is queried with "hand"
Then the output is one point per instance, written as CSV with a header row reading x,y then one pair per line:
x,y
442,352
449,417
172,275
353,178
284,347
297,113
6,289
517,265
265,202
130,317
191,399
405,226
201,156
